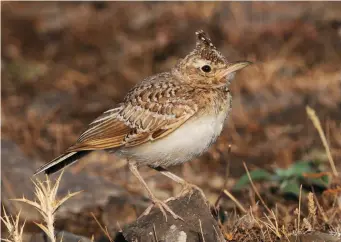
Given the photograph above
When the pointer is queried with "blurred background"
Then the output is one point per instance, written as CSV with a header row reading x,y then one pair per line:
x,y
64,63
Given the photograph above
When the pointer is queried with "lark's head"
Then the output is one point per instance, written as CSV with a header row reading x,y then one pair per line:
x,y
205,66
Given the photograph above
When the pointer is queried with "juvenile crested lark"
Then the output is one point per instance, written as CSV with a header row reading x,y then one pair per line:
x,y
165,120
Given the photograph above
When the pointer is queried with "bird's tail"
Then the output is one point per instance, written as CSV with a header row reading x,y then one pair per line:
x,y
61,161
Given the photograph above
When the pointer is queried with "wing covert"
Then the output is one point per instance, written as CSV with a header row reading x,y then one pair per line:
x,y
149,112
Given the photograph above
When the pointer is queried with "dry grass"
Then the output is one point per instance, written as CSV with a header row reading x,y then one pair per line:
x,y
201,231
255,189
312,210
317,124
104,229
299,212
46,204
239,205
15,230
276,225
271,226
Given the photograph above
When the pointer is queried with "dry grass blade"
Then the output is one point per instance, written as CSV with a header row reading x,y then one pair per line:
x,y
216,233
255,189
317,124
239,205
47,203
274,227
104,229
14,229
201,231
299,211
321,210
92,238
154,234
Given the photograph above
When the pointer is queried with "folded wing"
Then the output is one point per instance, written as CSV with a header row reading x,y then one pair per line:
x,y
149,112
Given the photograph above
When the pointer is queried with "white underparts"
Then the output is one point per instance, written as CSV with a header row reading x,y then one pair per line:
x,y
188,141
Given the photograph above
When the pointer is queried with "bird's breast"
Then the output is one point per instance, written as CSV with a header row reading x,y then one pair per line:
x,y
188,141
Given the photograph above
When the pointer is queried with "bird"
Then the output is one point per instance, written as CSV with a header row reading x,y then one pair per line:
x,y
165,120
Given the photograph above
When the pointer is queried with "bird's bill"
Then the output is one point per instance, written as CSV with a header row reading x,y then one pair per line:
x,y
233,67
238,65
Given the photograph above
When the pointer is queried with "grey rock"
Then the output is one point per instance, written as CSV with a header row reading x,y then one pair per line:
x,y
18,169
125,210
16,173
60,236
192,209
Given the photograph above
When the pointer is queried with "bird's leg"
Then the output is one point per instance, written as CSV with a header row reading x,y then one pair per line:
x,y
156,202
186,186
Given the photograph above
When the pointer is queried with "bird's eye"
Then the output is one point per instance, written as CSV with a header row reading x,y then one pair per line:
x,y
206,68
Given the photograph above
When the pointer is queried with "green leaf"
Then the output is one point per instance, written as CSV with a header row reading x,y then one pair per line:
x,y
290,187
326,179
321,181
295,170
256,175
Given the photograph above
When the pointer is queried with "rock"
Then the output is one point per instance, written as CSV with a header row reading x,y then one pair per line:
x,y
60,236
96,192
198,224
17,170
125,208
17,173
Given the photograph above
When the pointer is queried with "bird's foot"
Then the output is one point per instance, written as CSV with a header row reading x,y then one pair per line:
x,y
163,207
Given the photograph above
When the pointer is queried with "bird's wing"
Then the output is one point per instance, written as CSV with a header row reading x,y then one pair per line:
x,y
149,112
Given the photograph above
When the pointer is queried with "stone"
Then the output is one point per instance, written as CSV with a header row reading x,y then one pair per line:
x,y
17,172
198,224
60,236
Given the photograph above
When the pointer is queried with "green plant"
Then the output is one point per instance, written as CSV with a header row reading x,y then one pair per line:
x,y
288,181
